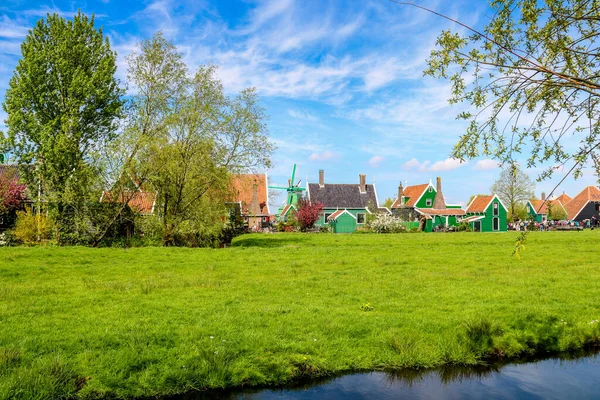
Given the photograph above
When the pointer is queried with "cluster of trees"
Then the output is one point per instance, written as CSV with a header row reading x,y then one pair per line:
x,y
80,135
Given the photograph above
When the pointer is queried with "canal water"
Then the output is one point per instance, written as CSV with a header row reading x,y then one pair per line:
x,y
562,377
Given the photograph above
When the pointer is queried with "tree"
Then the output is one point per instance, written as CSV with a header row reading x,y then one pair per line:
x,y
388,203
514,187
308,213
530,81
185,137
555,212
62,100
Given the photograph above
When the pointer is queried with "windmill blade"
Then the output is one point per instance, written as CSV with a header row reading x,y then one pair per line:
x,y
278,187
293,173
298,184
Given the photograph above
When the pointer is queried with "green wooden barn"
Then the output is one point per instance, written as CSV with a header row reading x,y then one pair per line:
x,y
486,213
342,221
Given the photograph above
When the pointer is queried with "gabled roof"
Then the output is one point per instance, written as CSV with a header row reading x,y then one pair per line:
x,y
414,193
287,209
341,195
140,202
338,213
443,211
564,198
242,186
574,207
541,206
479,203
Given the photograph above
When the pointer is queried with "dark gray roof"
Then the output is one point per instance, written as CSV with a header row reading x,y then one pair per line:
x,y
339,195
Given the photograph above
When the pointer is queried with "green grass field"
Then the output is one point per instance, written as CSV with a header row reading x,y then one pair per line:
x,y
88,323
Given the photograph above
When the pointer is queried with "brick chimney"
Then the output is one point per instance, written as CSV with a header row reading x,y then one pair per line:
x,y
439,203
401,194
321,178
254,208
543,196
363,183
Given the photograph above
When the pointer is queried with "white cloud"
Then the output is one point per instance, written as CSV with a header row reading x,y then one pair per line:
x,y
375,161
484,165
303,115
324,156
448,164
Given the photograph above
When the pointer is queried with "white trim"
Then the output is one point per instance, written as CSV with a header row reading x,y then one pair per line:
x,y
376,198
499,201
365,218
387,209
345,212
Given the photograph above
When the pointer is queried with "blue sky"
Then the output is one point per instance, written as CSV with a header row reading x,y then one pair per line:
x,y
341,80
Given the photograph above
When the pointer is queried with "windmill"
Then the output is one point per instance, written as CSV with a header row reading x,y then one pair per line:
x,y
294,192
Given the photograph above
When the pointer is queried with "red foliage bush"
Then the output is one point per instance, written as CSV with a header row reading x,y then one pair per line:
x,y
12,193
308,213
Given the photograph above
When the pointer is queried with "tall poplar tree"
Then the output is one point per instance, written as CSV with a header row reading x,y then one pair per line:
x,y
62,100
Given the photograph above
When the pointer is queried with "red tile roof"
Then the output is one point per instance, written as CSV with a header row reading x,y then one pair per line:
x,y
446,211
414,193
335,214
479,203
574,207
140,202
242,186
564,198
540,206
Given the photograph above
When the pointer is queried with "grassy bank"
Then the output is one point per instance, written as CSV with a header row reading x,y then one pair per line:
x,y
274,308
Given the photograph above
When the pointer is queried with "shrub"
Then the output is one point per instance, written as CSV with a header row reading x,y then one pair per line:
x,y
8,239
308,213
26,227
386,223
464,227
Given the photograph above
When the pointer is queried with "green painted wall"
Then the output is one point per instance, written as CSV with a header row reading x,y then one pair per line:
x,y
533,215
344,224
487,223
427,195
441,220
355,212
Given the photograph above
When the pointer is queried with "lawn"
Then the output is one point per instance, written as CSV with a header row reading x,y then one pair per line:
x,y
88,323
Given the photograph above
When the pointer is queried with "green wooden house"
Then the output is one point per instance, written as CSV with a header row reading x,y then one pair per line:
x,y
345,206
486,213
426,204
539,210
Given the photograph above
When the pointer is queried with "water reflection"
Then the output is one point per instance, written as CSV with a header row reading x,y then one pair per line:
x,y
560,377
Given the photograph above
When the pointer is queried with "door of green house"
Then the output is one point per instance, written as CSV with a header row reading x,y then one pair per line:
x,y
345,223
477,226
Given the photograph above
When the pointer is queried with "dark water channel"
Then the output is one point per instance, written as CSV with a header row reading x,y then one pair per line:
x,y
560,377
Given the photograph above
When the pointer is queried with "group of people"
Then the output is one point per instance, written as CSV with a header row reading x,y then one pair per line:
x,y
547,225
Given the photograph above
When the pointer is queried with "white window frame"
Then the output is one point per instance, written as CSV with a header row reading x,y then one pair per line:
x,y
364,218
428,202
496,211
326,216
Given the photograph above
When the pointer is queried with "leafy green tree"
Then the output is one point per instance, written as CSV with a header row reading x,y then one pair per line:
x,y
388,202
530,81
185,137
514,187
62,100
555,212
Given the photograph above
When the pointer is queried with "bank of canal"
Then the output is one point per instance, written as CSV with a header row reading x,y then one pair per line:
x,y
561,377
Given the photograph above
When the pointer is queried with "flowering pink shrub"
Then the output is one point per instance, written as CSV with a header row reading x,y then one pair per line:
x,y
12,193
308,213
